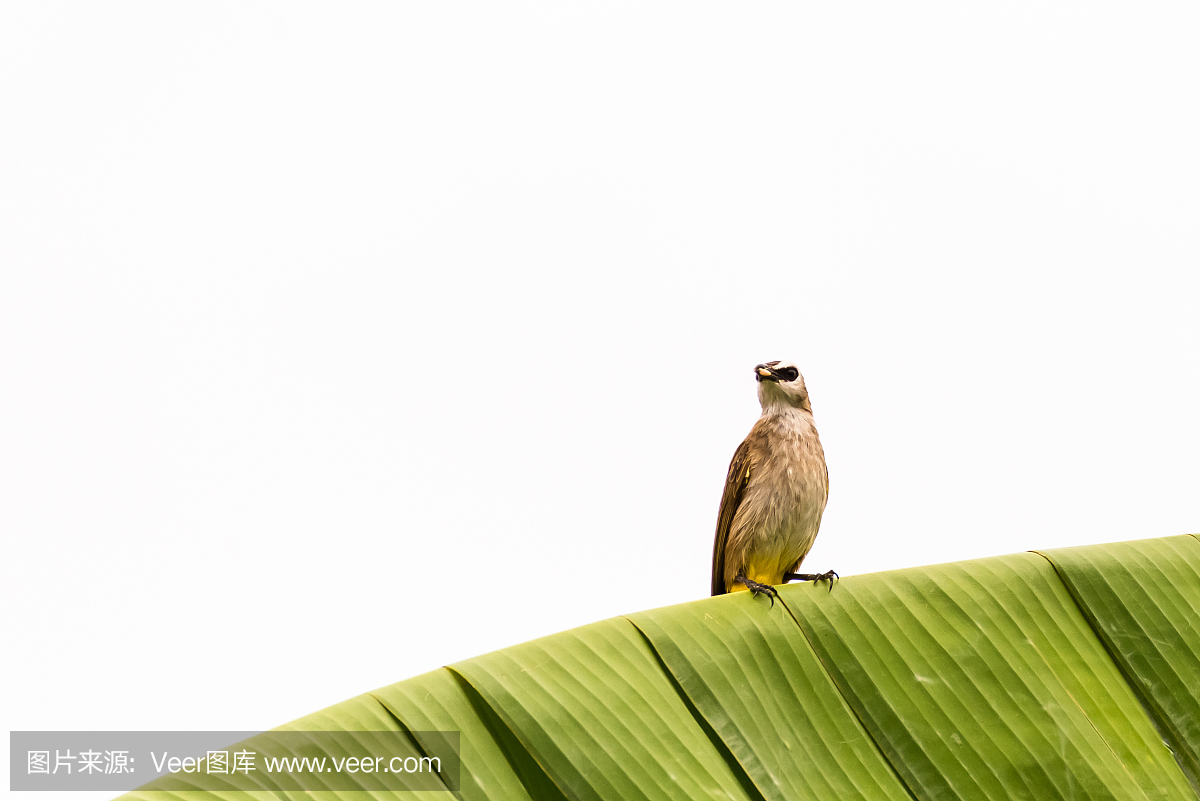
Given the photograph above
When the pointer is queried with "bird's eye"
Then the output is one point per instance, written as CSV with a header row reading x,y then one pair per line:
x,y
789,374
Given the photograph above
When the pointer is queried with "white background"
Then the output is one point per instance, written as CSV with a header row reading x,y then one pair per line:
x,y
340,344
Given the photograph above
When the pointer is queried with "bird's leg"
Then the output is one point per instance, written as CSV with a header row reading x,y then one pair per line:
x,y
756,588
828,575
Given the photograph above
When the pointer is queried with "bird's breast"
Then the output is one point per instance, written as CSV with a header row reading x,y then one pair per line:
x,y
788,486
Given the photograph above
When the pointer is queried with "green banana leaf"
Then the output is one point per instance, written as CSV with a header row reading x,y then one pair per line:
x,y
596,711
493,766
982,679
749,671
1073,674
1143,599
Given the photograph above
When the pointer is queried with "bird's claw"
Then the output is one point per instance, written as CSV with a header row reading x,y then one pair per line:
x,y
816,578
830,576
755,588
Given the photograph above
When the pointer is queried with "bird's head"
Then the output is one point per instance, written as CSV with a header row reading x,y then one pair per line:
x,y
781,385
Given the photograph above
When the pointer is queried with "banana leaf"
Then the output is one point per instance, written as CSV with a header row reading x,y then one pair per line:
x,y
1073,674
1143,598
982,680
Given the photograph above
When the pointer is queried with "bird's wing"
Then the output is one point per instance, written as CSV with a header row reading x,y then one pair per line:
x,y
735,488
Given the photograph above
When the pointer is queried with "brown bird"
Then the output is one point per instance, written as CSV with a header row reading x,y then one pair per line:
x,y
775,492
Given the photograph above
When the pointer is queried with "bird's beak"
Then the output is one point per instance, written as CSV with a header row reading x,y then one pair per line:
x,y
762,371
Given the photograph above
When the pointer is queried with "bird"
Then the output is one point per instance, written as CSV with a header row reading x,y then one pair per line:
x,y
775,492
